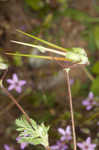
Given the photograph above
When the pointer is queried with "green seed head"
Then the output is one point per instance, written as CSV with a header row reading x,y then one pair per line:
x,y
78,55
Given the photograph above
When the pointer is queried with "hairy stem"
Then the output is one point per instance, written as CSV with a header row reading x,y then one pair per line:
x,y
71,109
17,104
9,106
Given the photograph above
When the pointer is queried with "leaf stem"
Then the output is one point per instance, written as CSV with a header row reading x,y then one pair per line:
x,y
71,108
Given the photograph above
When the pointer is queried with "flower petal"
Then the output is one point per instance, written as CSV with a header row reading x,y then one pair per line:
x,y
65,147
85,102
89,107
93,145
6,147
11,87
88,140
63,138
80,145
18,89
61,131
15,77
18,138
90,95
10,81
68,130
23,145
22,82
54,147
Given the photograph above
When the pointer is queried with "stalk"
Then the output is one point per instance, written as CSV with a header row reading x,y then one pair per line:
x,y
13,99
71,108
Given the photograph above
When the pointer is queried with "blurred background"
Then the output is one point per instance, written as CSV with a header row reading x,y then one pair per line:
x,y
66,23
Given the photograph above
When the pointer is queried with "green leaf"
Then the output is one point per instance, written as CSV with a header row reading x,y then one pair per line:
x,y
95,68
91,40
35,4
80,16
95,86
96,35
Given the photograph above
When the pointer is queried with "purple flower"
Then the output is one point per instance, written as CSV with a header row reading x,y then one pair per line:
x,y
59,146
22,145
15,83
86,145
89,101
7,147
66,134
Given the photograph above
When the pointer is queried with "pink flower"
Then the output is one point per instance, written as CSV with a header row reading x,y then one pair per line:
x,y
59,146
15,83
7,147
89,101
66,134
86,145
22,145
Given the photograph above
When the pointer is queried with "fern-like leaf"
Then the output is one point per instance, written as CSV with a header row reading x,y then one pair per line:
x,y
34,134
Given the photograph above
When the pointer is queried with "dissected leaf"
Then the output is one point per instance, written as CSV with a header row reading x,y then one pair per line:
x,y
34,134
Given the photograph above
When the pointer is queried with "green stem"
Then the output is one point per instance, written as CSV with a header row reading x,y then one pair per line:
x,y
88,73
